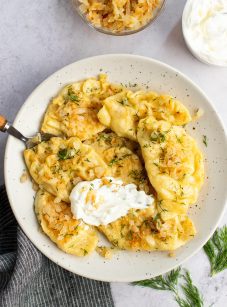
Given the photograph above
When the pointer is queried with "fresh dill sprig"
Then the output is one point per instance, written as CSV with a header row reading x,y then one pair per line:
x,y
167,282
216,250
170,282
191,292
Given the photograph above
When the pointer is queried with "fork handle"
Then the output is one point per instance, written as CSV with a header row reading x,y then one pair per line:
x,y
5,126
3,122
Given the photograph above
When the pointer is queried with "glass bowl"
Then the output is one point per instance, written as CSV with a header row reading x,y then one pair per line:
x,y
156,13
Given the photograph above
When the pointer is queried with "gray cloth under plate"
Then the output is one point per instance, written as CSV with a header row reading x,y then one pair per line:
x,y
28,278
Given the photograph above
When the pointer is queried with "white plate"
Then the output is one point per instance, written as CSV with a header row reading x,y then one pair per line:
x,y
125,266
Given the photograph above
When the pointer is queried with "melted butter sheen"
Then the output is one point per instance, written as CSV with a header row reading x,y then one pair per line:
x,y
102,201
205,25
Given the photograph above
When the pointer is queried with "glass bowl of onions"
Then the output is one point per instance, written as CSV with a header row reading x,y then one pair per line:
x,y
119,17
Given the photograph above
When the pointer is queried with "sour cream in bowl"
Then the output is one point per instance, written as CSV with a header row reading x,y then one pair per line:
x,y
204,25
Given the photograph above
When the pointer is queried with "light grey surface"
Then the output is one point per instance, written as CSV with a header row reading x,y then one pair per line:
x,y
39,37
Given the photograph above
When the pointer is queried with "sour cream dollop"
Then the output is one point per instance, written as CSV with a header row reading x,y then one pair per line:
x,y
102,201
205,30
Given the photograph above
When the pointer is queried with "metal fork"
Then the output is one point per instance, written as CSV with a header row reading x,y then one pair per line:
x,y
29,142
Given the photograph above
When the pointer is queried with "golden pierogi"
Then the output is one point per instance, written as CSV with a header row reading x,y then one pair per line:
x,y
73,112
122,112
172,159
57,165
146,230
56,219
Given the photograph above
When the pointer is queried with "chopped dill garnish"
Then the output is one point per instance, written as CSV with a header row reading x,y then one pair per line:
x,y
113,161
205,140
158,137
115,242
157,217
159,205
138,175
63,154
123,101
91,187
72,96
107,138
118,159
67,153
181,190
132,84
179,140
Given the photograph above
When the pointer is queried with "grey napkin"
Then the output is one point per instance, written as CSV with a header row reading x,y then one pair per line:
x,y
28,278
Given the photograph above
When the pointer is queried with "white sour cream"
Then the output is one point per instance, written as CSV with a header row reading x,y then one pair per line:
x,y
205,30
102,201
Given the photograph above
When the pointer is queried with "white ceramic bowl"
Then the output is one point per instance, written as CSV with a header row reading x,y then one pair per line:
x,y
125,266
189,43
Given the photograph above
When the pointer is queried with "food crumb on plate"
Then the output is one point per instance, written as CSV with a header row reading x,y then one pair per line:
x,y
198,113
172,254
24,177
105,252
35,186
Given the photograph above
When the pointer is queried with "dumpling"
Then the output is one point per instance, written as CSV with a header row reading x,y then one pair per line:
x,y
73,112
122,159
146,230
172,159
122,112
71,235
57,165
161,107
119,115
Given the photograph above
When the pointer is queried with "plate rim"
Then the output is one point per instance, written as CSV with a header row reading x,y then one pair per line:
x,y
112,55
